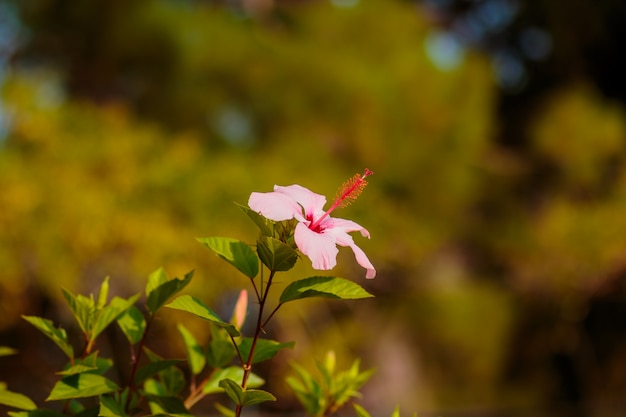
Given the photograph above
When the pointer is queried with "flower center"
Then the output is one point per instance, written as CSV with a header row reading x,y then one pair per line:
x,y
347,193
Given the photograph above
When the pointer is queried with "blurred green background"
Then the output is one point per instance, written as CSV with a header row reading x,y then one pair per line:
x,y
496,130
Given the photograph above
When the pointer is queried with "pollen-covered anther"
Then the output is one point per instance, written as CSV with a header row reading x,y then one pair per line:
x,y
351,189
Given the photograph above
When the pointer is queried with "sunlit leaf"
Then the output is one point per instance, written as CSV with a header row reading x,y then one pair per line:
x,y
40,412
196,307
81,385
256,396
232,372
15,400
265,349
161,294
109,313
224,411
82,365
235,252
244,397
58,336
82,308
103,295
360,411
195,353
7,351
326,287
156,279
133,324
265,225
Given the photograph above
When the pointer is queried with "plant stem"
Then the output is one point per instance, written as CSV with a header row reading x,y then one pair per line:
x,y
247,366
135,359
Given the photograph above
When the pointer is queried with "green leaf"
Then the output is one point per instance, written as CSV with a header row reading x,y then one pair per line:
x,y
111,407
276,255
154,368
244,397
327,287
265,225
196,307
108,314
235,252
224,411
156,279
360,411
82,365
220,351
7,351
171,406
15,399
256,396
133,324
232,372
307,390
103,295
195,354
172,379
233,390
82,308
41,412
265,349
80,386
58,336
161,294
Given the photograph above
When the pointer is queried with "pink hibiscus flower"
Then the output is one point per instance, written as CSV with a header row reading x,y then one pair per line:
x,y
317,235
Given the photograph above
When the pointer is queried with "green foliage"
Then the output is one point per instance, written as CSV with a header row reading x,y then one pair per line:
x,y
81,386
324,395
162,380
220,351
233,373
14,399
58,336
276,255
195,354
196,307
361,412
133,324
92,363
160,294
266,226
7,351
42,412
326,287
265,349
234,252
242,396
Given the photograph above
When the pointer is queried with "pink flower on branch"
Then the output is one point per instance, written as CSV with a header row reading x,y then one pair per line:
x,y
317,234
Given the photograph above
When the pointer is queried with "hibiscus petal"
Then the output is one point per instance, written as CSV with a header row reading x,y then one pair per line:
x,y
312,203
275,206
344,225
364,261
344,239
320,248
